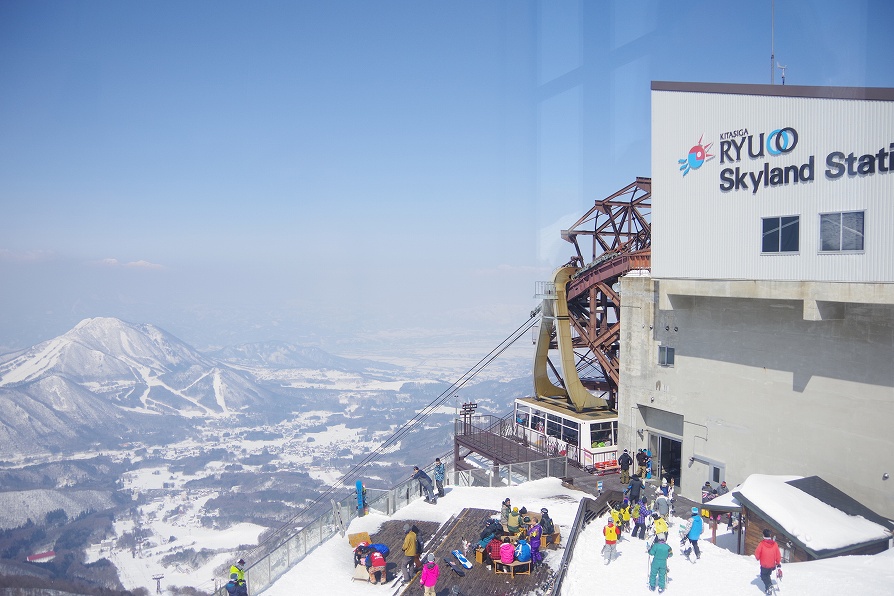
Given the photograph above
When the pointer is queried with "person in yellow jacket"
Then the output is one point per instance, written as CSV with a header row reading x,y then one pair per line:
x,y
514,520
610,550
625,515
237,577
409,548
660,526
616,517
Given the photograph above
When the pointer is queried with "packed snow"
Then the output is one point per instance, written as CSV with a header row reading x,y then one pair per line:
x,y
328,568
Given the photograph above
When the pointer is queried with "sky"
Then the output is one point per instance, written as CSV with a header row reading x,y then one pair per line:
x,y
336,173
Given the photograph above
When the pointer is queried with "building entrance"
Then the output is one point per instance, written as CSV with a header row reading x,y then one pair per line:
x,y
667,458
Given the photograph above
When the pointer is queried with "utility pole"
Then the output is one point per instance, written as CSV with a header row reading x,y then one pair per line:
x,y
158,579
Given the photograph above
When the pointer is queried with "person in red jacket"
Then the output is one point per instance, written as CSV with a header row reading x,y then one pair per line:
x,y
376,565
767,552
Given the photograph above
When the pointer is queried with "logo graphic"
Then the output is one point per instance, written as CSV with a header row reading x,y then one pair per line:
x,y
782,140
697,156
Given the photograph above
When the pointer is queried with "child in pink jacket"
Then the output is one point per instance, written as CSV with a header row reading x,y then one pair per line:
x,y
430,572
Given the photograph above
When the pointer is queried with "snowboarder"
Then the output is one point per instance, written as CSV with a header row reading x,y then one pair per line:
x,y
641,459
693,529
767,552
660,553
430,572
425,482
440,471
610,550
522,551
625,461
409,548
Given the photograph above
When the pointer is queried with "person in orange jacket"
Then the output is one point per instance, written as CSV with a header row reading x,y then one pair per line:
x,y
767,553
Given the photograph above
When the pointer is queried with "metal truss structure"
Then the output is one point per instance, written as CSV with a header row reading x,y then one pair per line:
x,y
610,240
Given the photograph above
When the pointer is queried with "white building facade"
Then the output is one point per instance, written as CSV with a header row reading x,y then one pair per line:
x,y
763,342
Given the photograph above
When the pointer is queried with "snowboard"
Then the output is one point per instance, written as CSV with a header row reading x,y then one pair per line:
x,y
462,559
453,566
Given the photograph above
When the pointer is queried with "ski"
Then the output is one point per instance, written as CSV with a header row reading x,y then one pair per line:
x,y
462,559
453,566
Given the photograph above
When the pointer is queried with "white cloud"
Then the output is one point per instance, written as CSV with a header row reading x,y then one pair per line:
x,y
141,264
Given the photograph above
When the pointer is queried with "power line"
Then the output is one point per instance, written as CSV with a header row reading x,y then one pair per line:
x,y
404,430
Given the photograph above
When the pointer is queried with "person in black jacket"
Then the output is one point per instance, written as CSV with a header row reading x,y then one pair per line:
x,y
636,487
625,461
641,460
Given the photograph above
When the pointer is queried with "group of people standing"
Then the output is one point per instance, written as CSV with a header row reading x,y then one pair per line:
x,y
426,483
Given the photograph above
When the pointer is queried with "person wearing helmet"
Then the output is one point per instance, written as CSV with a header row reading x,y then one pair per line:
x,y
549,528
237,578
694,528
430,572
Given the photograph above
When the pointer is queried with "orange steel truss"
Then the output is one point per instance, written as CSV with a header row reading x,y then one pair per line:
x,y
610,240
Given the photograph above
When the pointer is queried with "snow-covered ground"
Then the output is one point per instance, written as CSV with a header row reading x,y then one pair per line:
x,y
328,568
719,571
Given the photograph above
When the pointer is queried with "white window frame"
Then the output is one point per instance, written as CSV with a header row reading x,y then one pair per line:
x,y
839,250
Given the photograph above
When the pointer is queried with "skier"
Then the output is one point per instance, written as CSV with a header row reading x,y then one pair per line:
x,y
625,515
664,487
660,553
767,552
610,550
440,471
642,513
625,461
693,529
662,505
430,572
659,525
425,482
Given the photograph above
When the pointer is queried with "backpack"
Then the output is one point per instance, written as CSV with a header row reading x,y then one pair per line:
x,y
382,548
547,524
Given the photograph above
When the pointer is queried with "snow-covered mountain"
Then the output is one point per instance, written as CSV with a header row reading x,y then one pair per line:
x,y
106,379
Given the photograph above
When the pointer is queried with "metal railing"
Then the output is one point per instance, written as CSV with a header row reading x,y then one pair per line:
x,y
512,474
265,571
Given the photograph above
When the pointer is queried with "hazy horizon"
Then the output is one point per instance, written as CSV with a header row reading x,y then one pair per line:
x,y
317,172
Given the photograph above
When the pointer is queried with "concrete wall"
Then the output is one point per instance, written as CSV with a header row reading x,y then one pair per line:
x,y
761,389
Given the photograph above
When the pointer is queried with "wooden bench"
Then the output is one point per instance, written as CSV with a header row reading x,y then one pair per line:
x,y
514,568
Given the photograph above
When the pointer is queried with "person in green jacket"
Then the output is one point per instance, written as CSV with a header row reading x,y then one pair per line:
x,y
660,553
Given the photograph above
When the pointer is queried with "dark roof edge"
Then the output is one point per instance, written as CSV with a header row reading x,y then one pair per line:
x,y
865,93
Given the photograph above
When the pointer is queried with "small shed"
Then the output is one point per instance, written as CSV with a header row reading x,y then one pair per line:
x,y
810,518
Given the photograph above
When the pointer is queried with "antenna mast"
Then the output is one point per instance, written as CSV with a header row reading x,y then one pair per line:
x,y
772,42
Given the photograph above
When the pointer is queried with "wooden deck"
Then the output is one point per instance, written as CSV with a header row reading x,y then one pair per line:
x,y
479,580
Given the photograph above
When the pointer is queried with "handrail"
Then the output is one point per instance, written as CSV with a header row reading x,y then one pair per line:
x,y
586,511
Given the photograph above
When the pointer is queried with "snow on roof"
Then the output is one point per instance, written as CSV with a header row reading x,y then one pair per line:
x,y
808,520
726,501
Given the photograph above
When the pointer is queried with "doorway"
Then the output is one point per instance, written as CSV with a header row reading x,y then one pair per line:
x,y
667,454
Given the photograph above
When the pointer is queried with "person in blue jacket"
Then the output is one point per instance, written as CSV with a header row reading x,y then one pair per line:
x,y
425,482
522,551
694,528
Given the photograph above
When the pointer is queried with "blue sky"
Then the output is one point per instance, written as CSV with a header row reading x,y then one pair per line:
x,y
308,170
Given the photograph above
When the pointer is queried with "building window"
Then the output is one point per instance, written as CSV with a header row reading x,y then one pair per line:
x,y
665,356
780,234
841,232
